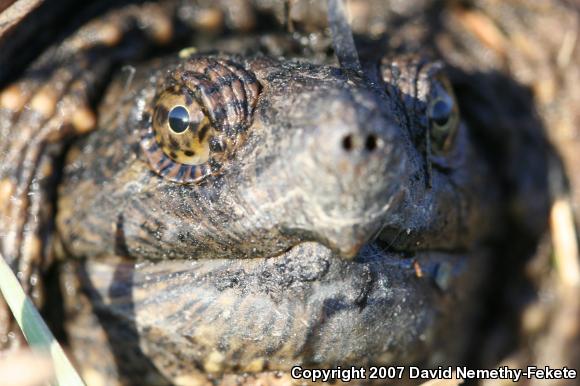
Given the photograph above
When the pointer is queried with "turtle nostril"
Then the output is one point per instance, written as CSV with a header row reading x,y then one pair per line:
x,y
351,142
371,142
347,142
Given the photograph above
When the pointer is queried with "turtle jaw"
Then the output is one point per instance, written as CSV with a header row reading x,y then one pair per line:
x,y
303,307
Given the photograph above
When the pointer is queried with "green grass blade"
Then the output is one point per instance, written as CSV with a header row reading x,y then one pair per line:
x,y
34,328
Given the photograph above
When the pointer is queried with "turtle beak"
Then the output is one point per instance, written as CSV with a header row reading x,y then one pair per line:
x,y
343,172
347,243
354,177
335,172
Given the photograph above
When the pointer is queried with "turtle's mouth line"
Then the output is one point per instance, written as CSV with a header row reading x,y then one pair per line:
x,y
397,259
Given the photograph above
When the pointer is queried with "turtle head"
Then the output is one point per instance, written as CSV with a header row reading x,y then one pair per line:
x,y
255,183
248,157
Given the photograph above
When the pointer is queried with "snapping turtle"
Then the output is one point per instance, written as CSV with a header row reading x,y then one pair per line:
x,y
261,202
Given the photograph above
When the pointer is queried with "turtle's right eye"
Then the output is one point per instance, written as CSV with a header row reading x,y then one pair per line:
x,y
182,129
178,119
198,119
180,138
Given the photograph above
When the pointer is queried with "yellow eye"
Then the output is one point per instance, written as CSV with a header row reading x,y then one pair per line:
x,y
182,144
443,117
182,129
198,119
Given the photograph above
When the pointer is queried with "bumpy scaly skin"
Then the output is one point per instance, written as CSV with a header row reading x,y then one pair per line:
x,y
52,103
266,260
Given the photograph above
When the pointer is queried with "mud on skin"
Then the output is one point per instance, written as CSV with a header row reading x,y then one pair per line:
x,y
231,211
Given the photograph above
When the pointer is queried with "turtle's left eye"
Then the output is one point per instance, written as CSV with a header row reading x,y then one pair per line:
x,y
443,117
440,112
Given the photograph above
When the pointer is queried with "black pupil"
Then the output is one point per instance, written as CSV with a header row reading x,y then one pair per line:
x,y
179,119
441,112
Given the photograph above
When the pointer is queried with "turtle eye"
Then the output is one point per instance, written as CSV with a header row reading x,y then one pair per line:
x,y
198,118
182,129
440,112
443,117
178,119
178,143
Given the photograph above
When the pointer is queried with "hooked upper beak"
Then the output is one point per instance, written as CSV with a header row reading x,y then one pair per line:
x,y
351,176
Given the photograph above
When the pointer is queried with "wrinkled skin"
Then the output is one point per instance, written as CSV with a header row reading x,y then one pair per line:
x,y
336,229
